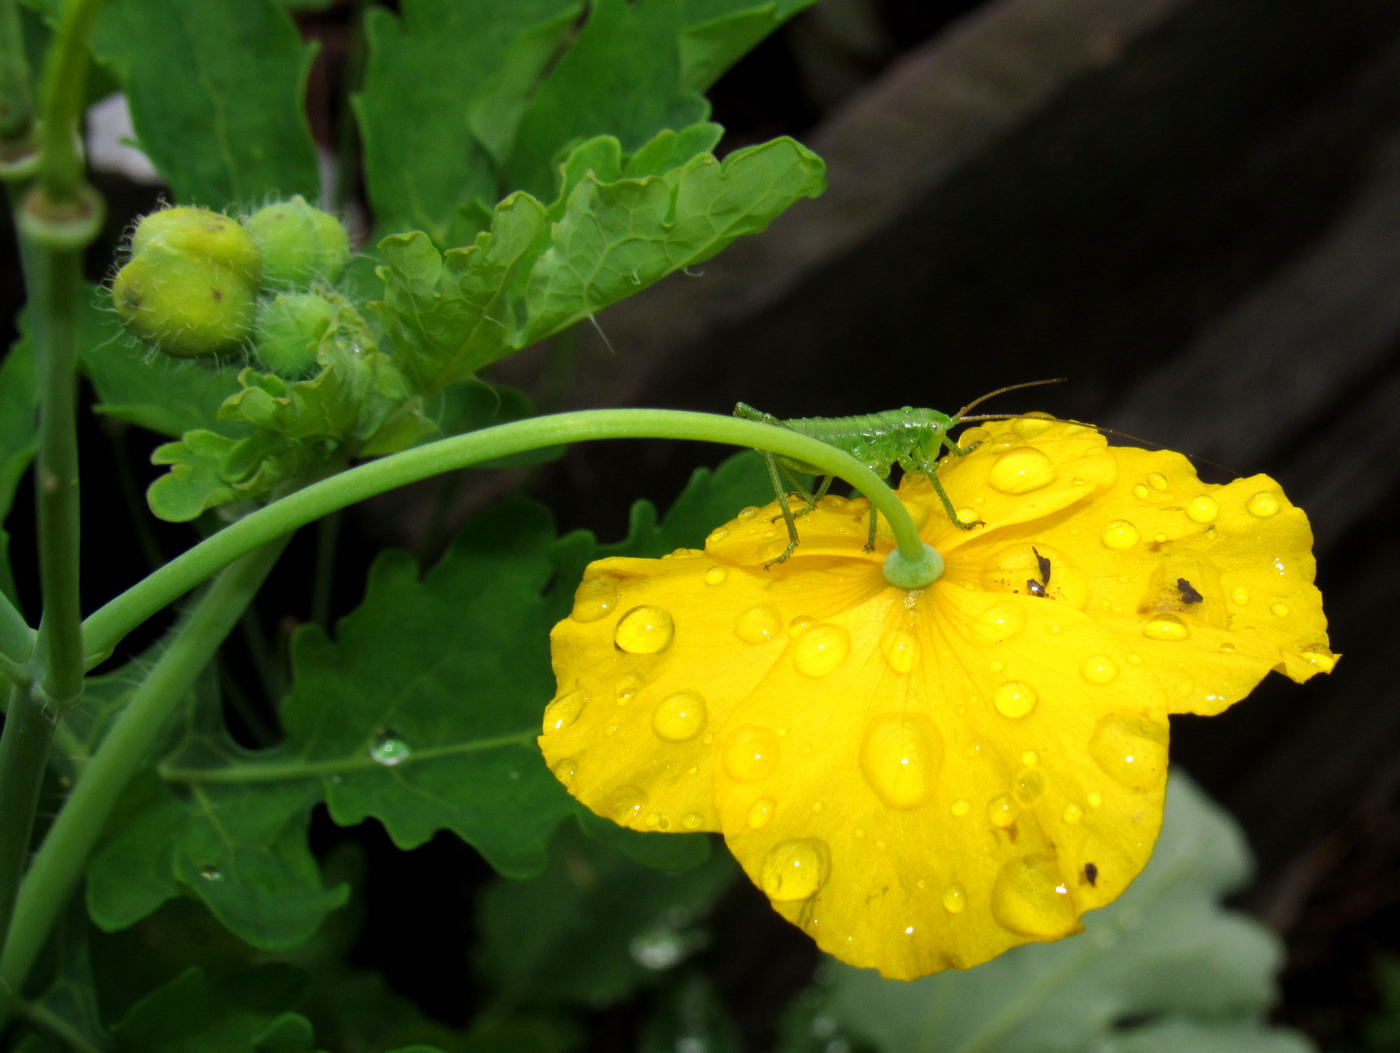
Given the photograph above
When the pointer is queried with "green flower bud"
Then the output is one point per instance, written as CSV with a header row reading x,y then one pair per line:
x,y
200,232
299,243
290,329
183,304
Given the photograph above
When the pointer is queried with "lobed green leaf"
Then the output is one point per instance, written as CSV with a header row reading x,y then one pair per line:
x,y
216,94
538,270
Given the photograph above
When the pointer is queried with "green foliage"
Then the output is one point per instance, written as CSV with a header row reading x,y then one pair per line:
x,y
1165,967
616,227
19,400
215,91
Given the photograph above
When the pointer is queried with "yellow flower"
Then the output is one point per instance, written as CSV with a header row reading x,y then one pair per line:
x,y
924,778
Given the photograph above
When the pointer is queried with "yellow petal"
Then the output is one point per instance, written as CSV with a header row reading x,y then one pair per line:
x,y
923,778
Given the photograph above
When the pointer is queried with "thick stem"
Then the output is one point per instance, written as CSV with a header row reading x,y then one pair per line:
x,y
55,284
65,78
16,102
126,747
24,754
105,628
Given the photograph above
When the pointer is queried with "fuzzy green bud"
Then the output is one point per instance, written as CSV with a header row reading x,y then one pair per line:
x,y
299,243
290,330
183,304
200,232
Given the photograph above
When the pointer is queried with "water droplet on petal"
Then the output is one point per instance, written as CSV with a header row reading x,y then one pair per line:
x,y
679,717
954,899
748,513
1165,627
1263,504
1014,699
716,576
967,515
692,820
565,770
1120,535
624,804
960,808
1279,610
627,688
900,649
595,598
1030,758
758,624
760,812
644,630
563,711
1202,509
1240,596
1030,784
800,625
388,749
1094,799
900,756
1157,481
751,753
1000,623
1141,491
1099,669
1021,470
794,870
1132,749
1031,898
1001,811
717,535
1072,813
820,650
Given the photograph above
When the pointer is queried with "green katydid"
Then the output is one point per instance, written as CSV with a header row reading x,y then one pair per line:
x,y
910,437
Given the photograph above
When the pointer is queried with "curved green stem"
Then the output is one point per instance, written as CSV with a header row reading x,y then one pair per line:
x,y
126,747
61,102
106,627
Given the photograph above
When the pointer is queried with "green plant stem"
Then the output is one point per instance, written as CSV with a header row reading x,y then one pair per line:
x,y
16,103
126,747
65,78
24,754
105,628
55,282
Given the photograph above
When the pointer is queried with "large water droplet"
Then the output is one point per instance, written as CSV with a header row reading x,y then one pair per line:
x,y
954,899
820,649
1014,699
795,870
679,717
1030,784
1263,504
900,649
760,813
1001,811
1165,627
1000,623
644,630
624,804
758,624
900,757
595,598
1202,509
1021,471
1120,535
563,711
1099,669
716,576
750,753
388,749
1131,749
1031,898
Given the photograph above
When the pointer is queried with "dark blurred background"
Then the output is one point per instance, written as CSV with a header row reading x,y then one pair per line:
x,y
1189,209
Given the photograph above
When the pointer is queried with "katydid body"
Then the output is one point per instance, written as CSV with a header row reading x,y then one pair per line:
x,y
910,437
